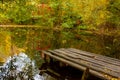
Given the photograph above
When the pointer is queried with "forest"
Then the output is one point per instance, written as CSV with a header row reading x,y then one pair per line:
x,y
33,25
77,20
87,22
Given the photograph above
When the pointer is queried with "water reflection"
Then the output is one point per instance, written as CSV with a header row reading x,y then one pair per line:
x,y
33,40
19,67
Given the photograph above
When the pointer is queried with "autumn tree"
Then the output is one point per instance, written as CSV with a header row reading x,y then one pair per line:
x,y
18,11
114,9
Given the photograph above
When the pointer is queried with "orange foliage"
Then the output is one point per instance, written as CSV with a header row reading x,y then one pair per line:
x,y
42,9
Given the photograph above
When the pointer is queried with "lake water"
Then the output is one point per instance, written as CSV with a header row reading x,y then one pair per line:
x,y
33,40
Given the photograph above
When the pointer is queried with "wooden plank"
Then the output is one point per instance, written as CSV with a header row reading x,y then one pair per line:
x,y
108,58
96,56
111,73
111,64
91,60
100,75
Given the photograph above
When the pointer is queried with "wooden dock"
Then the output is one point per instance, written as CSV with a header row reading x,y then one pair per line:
x,y
100,66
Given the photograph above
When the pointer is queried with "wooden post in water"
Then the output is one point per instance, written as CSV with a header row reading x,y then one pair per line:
x,y
85,74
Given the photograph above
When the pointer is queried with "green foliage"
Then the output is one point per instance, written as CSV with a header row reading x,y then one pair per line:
x,y
67,14
44,1
114,8
19,36
71,20
56,6
18,11
3,19
63,15
83,27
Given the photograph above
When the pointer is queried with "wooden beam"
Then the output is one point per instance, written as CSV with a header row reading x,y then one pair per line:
x,y
85,74
83,62
75,65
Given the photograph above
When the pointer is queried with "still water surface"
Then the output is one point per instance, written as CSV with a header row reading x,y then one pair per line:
x,y
32,40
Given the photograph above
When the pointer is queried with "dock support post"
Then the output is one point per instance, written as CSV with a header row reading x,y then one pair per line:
x,y
85,74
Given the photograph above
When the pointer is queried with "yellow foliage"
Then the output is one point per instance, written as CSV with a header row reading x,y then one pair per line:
x,y
15,50
94,10
5,45
110,78
64,41
8,44
91,11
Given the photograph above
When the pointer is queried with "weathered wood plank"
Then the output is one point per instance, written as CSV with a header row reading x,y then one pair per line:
x,y
111,73
109,58
76,65
96,56
91,61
